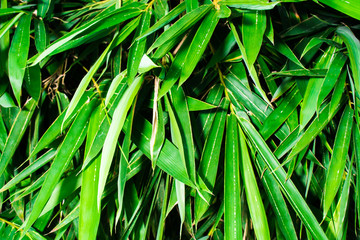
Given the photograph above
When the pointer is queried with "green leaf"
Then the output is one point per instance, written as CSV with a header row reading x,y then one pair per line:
x,y
176,67
250,68
6,101
17,130
209,162
9,11
199,44
66,151
285,50
89,214
54,130
277,201
287,186
169,159
114,131
338,159
316,126
353,46
41,161
182,117
318,73
40,35
158,126
163,21
146,64
33,82
18,54
252,30
115,17
337,226
5,28
313,88
253,197
137,49
198,105
307,26
349,7
333,73
181,26
281,113
232,187
250,4
85,82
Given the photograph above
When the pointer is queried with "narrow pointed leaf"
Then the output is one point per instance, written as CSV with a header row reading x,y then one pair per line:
x,y
181,26
17,130
252,30
353,45
287,186
163,21
199,44
232,187
210,158
114,132
18,54
313,89
71,143
181,114
137,49
85,82
349,7
338,159
253,197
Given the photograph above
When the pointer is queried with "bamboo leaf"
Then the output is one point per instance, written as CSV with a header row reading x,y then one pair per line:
x,y
137,50
54,130
348,7
277,201
169,158
198,105
115,17
338,158
5,28
43,7
17,130
114,131
353,46
33,82
89,214
71,143
158,126
252,30
199,44
281,113
287,186
232,187
253,197
41,161
163,21
85,82
313,88
209,162
181,26
18,54
40,35
250,67
250,4
334,72
182,117
325,115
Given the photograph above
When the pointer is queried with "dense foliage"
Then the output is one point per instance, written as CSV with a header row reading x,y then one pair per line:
x,y
168,120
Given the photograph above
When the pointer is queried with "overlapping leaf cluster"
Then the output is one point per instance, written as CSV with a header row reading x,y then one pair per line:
x,y
167,120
